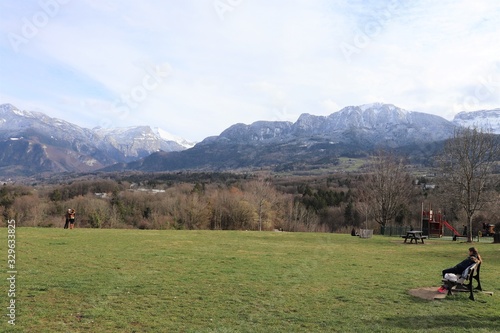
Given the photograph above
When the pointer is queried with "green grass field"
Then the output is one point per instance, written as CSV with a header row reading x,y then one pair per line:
x,y
91,280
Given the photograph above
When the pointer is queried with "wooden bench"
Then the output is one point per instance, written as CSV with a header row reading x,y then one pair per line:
x,y
455,237
464,284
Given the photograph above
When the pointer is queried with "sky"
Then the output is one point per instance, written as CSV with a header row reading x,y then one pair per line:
x,y
196,67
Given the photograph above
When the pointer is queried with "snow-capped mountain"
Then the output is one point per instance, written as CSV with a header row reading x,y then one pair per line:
x,y
33,142
169,137
136,141
487,120
14,121
375,123
311,141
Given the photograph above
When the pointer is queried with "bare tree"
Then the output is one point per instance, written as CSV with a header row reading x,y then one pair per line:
x,y
387,188
468,162
263,196
296,217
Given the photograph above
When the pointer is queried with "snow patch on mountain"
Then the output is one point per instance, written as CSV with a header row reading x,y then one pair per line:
x,y
136,141
487,120
170,137
377,106
93,147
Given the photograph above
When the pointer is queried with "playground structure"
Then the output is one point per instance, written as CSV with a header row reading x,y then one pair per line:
x,y
433,225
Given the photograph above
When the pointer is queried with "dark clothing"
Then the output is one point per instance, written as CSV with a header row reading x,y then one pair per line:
x,y
459,268
70,218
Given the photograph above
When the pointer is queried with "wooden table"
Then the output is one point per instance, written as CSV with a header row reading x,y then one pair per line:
x,y
414,235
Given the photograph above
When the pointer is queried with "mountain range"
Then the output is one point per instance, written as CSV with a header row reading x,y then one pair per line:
x,y
316,141
33,143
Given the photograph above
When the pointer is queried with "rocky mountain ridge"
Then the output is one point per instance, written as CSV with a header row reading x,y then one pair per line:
x,y
379,123
31,142
310,142
488,120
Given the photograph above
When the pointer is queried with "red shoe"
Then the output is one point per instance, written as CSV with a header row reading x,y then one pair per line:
x,y
442,290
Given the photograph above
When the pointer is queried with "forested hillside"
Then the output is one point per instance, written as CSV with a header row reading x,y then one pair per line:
x,y
226,201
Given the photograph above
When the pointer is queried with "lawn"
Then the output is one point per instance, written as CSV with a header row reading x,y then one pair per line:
x,y
104,280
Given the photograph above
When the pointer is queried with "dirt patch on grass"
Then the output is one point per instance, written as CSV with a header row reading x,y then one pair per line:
x,y
428,293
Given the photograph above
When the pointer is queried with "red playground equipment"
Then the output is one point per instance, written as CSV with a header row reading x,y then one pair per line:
x,y
433,223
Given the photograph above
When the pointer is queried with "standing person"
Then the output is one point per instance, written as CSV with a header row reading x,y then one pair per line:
x,y
70,219
473,257
66,217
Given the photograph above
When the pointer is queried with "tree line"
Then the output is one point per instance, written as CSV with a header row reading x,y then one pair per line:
x,y
385,192
246,204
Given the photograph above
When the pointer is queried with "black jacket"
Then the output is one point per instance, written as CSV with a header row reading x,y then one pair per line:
x,y
466,263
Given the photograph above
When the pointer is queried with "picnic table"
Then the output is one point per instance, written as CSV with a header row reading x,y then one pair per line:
x,y
414,235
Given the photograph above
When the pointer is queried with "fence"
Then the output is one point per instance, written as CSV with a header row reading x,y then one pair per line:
x,y
394,230
400,230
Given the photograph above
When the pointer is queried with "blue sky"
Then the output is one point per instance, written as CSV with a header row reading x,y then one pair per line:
x,y
195,67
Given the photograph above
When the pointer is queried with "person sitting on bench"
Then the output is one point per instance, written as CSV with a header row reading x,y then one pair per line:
x,y
473,257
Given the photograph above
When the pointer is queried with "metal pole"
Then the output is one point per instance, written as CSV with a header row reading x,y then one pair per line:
x,y
422,217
